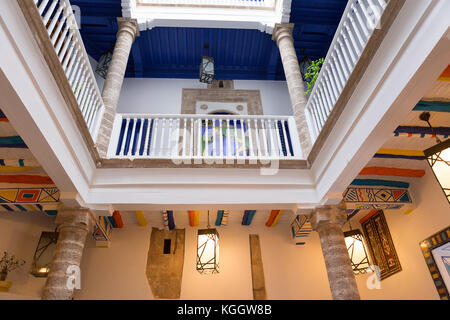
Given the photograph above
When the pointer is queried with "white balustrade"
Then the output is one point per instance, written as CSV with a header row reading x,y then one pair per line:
x,y
212,3
358,22
59,20
142,136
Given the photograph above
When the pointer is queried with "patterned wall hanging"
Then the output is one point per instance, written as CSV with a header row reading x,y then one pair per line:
x,y
301,228
248,217
273,218
380,244
436,251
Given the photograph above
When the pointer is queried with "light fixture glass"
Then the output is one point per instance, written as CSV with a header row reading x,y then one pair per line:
x,y
207,70
354,241
208,250
304,64
103,64
40,267
438,157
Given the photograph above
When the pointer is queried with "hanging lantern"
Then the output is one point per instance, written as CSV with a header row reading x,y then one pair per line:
x,y
43,255
207,70
208,250
357,251
103,64
438,157
304,64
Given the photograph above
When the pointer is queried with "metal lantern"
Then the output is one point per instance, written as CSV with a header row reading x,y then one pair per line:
x,y
208,250
207,70
43,255
103,64
354,241
304,64
438,157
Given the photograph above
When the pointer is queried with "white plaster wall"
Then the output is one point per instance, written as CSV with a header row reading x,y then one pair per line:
x,y
163,96
19,235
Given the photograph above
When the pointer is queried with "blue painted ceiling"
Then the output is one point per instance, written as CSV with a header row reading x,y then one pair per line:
x,y
165,52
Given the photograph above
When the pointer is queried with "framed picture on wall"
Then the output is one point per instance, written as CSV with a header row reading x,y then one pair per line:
x,y
436,251
380,245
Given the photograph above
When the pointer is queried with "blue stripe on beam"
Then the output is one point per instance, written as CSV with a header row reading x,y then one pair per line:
x,y
170,219
219,217
7,207
376,182
12,142
398,156
423,130
437,106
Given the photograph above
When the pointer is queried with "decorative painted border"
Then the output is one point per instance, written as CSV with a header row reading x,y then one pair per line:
x,y
29,195
436,240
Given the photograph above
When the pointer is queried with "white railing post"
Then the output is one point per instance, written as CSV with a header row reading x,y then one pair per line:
x,y
353,33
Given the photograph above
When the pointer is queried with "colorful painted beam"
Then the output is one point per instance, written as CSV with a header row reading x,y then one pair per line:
x,y
19,163
101,233
248,217
193,218
222,218
436,106
29,195
168,219
396,172
377,196
300,228
273,218
422,132
141,218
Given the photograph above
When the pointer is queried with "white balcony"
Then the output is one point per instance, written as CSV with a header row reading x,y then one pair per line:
x,y
213,138
239,14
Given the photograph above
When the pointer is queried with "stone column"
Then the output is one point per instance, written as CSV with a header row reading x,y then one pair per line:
x,y
282,34
128,31
73,226
328,222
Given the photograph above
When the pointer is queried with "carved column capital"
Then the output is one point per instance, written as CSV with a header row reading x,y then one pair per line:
x,y
282,30
329,214
128,25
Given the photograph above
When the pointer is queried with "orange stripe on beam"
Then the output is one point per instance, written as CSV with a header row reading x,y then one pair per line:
x,y
272,217
397,172
371,213
25,179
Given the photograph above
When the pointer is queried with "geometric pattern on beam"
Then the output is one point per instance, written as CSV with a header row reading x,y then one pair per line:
x,y
400,153
377,196
300,228
102,229
29,195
